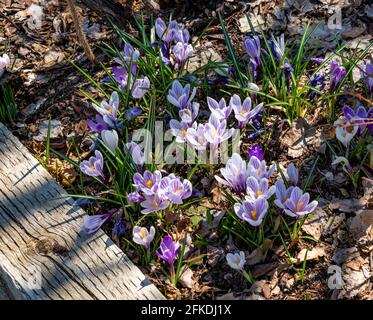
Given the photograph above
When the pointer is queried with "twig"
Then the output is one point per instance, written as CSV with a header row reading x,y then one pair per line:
x,y
81,36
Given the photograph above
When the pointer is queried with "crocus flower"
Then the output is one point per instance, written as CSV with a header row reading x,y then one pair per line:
x,y
94,166
110,139
140,87
298,204
252,211
153,203
181,35
128,54
97,126
278,47
234,173
109,110
135,152
254,89
133,113
337,73
179,129
92,223
148,182
252,46
215,130
258,168
242,111
164,32
220,109
168,250
119,228
293,174
367,75
317,81
135,197
345,130
255,151
258,188
360,117
282,194
236,260
190,113
180,96
196,137
4,61
142,236
182,52
177,190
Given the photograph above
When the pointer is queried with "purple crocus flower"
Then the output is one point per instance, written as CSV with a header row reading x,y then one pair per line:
x,y
196,137
337,73
258,168
318,61
278,47
142,236
181,35
148,182
360,117
293,174
92,223
94,166
164,32
282,194
220,109
128,55
153,203
180,96
140,87
177,191
109,110
367,75
135,197
97,126
120,75
252,211
190,113
133,113
255,151
179,129
234,173
168,250
242,111
317,81
252,47
135,152
258,188
298,204
182,52
119,228
216,132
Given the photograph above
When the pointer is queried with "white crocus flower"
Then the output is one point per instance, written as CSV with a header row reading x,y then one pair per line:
x,y
345,130
236,260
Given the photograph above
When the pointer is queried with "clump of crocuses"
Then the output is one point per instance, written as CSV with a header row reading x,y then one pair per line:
x,y
156,193
292,200
173,43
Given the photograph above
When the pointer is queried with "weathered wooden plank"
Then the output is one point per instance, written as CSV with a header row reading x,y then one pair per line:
x,y
43,253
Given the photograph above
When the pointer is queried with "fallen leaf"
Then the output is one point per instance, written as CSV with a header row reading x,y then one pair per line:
x,y
260,253
313,254
315,223
186,278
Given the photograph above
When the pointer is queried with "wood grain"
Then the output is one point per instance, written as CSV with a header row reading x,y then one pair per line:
x,y
43,253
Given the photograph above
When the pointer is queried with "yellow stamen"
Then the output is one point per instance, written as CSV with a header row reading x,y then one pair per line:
x,y
143,233
149,183
237,262
216,133
254,215
110,111
259,193
92,167
243,112
299,206
183,132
